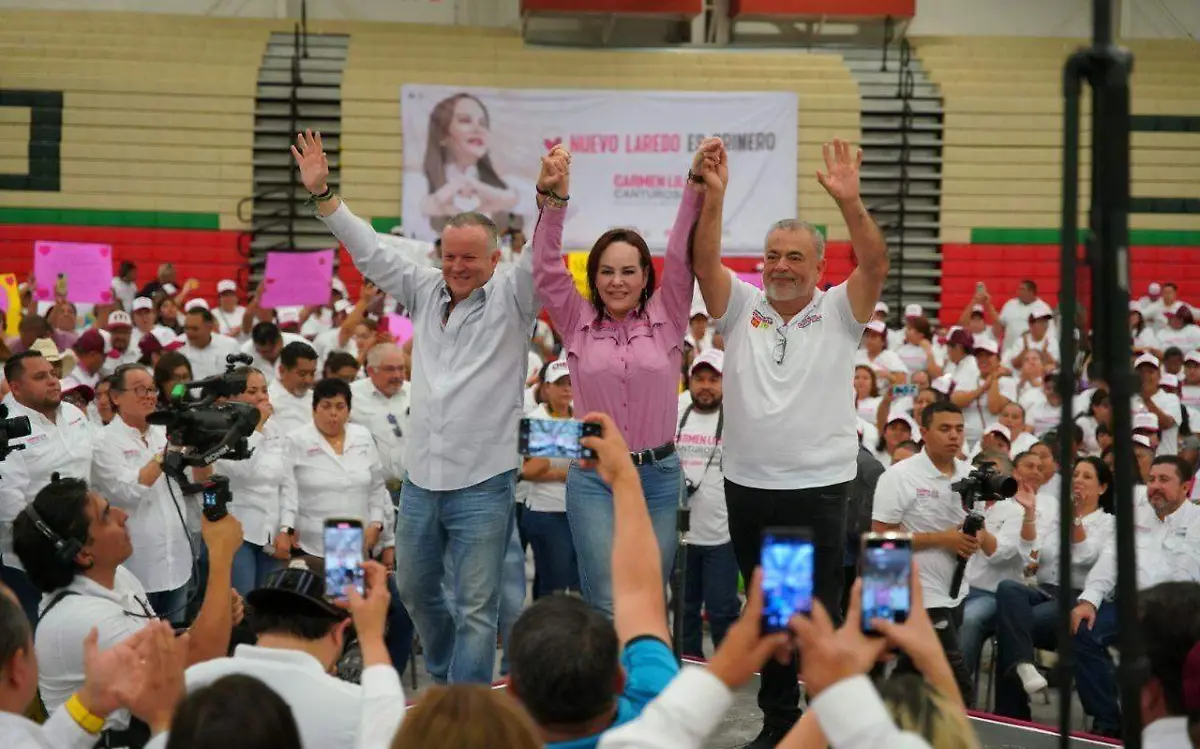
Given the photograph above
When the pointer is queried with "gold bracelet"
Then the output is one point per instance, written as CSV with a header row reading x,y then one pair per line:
x,y
82,716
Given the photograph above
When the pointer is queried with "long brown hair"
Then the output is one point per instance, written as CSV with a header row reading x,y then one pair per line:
x,y
629,236
435,154
467,716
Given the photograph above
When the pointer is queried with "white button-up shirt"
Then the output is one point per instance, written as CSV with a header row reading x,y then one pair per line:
x,y
468,365
320,484
1168,550
62,446
916,495
210,360
256,484
269,369
1098,526
387,421
329,712
116,614
1003,520
291,412
162,556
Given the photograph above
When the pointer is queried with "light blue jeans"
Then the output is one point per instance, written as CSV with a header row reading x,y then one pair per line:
x,y
978,624
471,527
590,514
251,565
512,591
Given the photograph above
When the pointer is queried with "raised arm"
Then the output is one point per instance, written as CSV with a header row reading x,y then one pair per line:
x,y
674,295
393,272
870,249
553,281
715,282
639,607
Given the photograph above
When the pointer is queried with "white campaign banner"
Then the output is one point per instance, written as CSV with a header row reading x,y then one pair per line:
x,y
479,149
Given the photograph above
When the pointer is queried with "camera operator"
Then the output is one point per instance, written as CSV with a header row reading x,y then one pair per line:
x,y
128,469
915,496
255,487
75,544
60,440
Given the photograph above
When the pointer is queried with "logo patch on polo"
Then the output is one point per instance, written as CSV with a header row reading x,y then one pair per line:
x,y
759,320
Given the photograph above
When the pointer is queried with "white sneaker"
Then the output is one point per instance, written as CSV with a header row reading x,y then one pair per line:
x,y
1030,678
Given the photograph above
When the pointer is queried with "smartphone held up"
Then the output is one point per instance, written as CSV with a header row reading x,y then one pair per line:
x,y
886,579
343,557
555,438
787,560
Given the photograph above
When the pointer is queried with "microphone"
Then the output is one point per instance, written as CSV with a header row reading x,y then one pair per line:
x,y
972,526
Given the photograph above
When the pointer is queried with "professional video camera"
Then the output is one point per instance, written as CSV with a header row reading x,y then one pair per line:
x,y
982,484
17,426
209,430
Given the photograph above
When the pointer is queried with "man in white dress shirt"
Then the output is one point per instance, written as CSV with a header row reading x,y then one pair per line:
x,y
290,393
205,349
59,442
381,404
266,345
470,344
1167,536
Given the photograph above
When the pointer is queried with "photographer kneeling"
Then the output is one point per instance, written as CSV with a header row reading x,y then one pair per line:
x,y
73,544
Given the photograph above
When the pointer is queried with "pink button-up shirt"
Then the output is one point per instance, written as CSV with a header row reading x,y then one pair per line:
x,y
629,368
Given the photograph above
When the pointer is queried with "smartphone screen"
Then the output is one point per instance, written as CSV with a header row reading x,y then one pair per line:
x,y
555,438
886,578
787,575
343,556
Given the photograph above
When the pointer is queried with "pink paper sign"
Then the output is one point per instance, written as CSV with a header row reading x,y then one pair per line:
x,y
297,278
400,327
754,279
88,269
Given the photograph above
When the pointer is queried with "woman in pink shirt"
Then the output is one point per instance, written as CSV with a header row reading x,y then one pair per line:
x,y
624,349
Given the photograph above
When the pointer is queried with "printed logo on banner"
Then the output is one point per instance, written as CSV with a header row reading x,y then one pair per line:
x,y
630,156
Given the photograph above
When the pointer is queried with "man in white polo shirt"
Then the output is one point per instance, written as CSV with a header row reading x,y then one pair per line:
x,y
790,440
915,496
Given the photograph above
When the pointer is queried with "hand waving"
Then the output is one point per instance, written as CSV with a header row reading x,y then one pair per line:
x,y
310,157
840,179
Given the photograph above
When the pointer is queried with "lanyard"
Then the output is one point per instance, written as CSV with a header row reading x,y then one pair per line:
x,y
716,442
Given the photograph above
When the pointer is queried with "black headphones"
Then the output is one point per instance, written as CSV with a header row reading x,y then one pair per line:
x,y
65,549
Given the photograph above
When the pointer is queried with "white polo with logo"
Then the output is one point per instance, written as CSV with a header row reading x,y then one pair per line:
x,y
789,424
917,496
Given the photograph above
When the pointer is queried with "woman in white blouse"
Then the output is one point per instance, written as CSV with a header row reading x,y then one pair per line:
x,y
331,470
866,393
255,485
1027,615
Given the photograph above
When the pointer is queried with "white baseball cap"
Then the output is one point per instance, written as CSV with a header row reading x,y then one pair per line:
x,y
1154,289
1039,310
342,305
976,309
988,345
698,310
338,286
1150,359
1142,440
1145,420
169,289
1193,357
905,417
914,310
712,357
165,336
1001,430
943,384
556,370
881,307
877,326
119,319
194,303
143,302
288,316
1168,381
227,286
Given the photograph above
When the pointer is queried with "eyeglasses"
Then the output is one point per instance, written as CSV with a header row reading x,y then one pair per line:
x,y
780,345
391,418
143,392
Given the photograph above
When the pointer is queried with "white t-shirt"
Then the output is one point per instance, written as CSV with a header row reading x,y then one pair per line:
x,y
1040,414
913,357
868,408
1003,520
1169,403
976,415
1186,338
917,496
700,454
888,361
1014,316
547,496
775,408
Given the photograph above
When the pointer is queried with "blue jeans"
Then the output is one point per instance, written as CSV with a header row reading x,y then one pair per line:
x,y
512,591
712,582
399,636
549,534
1095,679
473,526
170,604
251,565
978,624
590,514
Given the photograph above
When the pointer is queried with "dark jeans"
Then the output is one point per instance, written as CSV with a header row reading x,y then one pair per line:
x,y
24,589
399,636
823,509
946,623
1095,679
712,583
549,534
1026,618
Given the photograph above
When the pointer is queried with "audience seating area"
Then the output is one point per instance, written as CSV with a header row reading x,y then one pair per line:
x,y
1002,163
157,126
